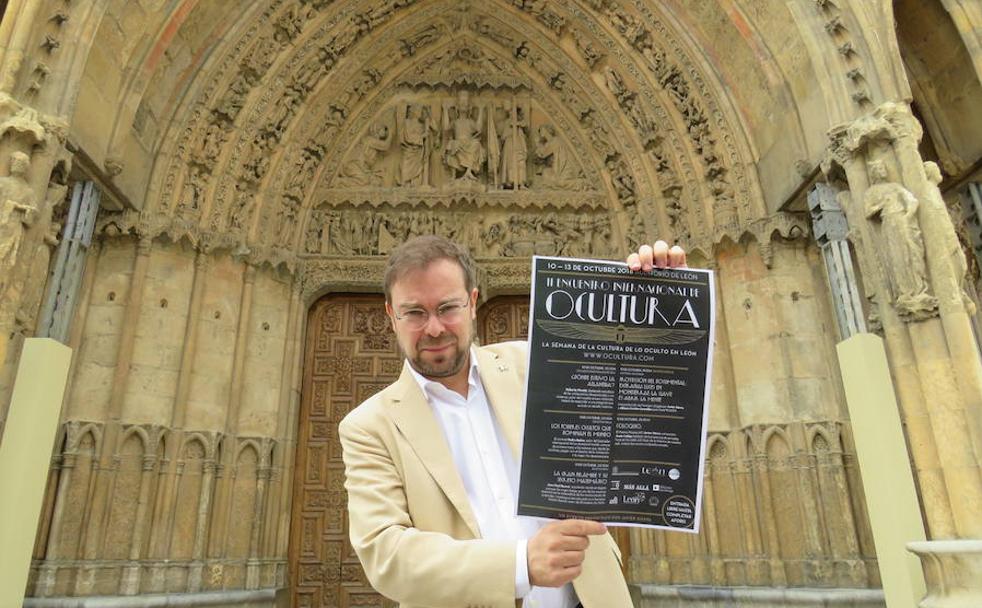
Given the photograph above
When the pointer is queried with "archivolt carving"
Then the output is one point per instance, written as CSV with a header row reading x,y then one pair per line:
x,y
267,176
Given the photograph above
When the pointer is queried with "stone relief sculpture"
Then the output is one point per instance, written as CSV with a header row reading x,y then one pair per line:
x,y
349,232
514,148
463,154
362,170
476,144
557,168
417,141
892,212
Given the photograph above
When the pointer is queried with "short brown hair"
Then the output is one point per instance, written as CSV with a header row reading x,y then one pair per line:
x,y
419,252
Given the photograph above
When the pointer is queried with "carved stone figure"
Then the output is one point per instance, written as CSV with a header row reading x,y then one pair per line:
x,y
362,170
40,259
234,99
586,47
193,193
558,169
623,182
241,207
463,154
17,213
416,139
892,212
303,172
286,219
411,45
256,157
514,150
210,146
951,244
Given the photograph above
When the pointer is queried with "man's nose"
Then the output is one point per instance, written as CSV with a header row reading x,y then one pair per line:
x,y
434,327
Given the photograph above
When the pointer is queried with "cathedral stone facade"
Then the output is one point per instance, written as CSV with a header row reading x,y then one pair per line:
x,y
198,197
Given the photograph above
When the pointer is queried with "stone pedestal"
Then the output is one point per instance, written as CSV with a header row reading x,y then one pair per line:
x,y
953,572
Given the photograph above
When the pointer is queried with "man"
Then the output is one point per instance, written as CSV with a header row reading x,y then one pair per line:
x,y
432,460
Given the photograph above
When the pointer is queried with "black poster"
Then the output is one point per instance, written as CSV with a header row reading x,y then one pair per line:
x,y
617,393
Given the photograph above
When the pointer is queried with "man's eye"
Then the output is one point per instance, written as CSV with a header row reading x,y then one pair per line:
x,y
414,315
450,309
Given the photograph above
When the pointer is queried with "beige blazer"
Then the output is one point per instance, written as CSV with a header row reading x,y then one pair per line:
x,y
409,518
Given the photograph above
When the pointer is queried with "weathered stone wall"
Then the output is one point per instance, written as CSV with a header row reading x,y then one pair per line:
x,y
170,470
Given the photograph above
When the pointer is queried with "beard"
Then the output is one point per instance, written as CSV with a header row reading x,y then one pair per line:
x,y
445,364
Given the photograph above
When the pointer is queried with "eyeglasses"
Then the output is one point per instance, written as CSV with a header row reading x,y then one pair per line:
x,y
449,313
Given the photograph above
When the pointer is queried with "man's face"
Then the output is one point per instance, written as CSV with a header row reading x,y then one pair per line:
x,y
438,349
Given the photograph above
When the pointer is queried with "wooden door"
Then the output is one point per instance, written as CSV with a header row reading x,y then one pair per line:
x,y
503,318
350,355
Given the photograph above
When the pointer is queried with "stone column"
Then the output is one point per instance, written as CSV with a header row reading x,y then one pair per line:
x,y
913,270
163,532
209,471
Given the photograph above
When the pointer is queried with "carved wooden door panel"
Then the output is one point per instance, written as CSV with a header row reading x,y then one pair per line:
x,y
350,354
503,318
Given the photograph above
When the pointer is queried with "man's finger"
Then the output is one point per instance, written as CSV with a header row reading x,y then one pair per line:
x,y
634,262
645,256
661,254
570,573
568,559
676,257
567,542
582,527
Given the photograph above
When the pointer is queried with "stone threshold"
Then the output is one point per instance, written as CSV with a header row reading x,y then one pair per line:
x,y
164,600
697,595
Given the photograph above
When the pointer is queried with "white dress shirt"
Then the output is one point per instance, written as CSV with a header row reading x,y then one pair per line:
x,y
489,472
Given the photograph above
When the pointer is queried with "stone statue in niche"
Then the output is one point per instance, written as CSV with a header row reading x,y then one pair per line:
x,y
417,138
892,212
17,213
514,148
463,154
362,169
557,168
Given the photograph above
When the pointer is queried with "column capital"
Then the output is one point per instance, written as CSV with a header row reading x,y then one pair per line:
x,y
888,123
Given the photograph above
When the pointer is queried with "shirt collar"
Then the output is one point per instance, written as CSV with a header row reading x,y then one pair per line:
x,y
429,386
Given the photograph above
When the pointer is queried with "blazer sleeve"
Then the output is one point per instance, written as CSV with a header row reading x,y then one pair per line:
x,y
402,562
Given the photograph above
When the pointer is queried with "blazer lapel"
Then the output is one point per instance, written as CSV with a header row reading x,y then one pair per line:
x,y
504,389
412,415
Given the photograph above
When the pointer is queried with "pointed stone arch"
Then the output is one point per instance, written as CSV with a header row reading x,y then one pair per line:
x,y
680,160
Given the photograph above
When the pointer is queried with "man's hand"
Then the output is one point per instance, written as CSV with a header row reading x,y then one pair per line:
x,y
555,553
659,256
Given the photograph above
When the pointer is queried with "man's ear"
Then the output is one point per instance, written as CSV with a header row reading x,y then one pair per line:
x,y
391,314
474,303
